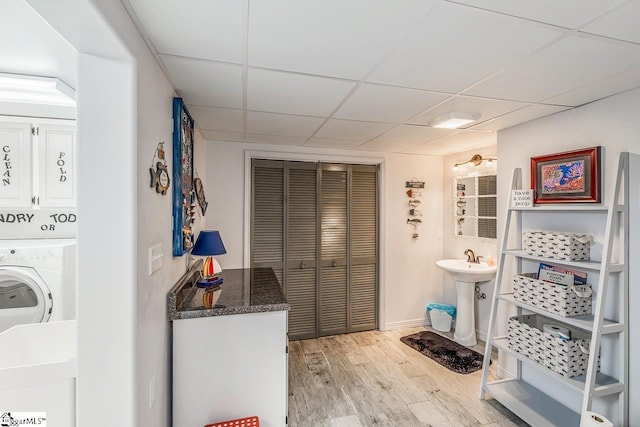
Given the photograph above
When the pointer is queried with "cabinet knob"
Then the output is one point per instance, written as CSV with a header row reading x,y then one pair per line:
x,y
302,265
334,263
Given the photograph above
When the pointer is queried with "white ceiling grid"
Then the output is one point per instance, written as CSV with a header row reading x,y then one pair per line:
x,y
372,75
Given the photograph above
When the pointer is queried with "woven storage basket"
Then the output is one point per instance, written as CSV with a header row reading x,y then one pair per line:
x,y
556,245
567,358
562,300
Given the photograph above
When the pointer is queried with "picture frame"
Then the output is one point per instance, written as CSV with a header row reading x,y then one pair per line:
x,y
183,193
568,177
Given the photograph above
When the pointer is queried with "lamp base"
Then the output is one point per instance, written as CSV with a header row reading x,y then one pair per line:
x,y
208,282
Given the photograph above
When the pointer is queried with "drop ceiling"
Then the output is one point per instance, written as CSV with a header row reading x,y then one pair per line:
x,y
372,75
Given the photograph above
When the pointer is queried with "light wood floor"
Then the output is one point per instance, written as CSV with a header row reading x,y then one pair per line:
x,y
373,379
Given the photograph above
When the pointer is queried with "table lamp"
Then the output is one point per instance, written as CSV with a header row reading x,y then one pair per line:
x,y
209,243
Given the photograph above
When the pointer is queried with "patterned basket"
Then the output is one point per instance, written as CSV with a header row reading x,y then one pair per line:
x,y
557,245
568,358
562,300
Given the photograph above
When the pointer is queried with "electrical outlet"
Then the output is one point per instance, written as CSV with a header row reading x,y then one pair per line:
x,y
155,258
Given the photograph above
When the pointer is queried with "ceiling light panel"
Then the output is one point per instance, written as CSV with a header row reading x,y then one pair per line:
x,y
329,37
35,90
282,92
456,46
487,108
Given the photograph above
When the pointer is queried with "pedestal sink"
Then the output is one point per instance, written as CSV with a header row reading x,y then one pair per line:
x,y
466,274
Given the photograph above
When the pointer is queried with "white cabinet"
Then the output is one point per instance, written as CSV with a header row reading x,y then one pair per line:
x,y
38,163
536,394
230,366
16,169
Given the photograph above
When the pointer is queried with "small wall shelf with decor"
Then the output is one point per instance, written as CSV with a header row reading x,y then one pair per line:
x,y
599,379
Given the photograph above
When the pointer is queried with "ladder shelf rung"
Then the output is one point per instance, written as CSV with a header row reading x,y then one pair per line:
x,y
587,265
584,322
604,383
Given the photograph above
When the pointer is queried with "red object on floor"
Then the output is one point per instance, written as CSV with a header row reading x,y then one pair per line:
x,y
240,422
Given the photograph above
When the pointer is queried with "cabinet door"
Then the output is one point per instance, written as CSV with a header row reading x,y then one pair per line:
x,y
15,169
301,250
56,169
333,250
363,292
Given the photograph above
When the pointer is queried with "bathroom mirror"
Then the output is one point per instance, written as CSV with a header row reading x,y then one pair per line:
x,y
474,207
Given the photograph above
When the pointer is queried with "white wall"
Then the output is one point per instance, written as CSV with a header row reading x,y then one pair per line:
x,y
124,110
612,123
454,246
409,277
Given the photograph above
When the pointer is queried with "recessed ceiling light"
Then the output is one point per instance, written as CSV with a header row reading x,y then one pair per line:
x,y
453,120
35,90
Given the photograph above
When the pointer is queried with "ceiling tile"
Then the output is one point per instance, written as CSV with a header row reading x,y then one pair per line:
x,y
199,29
487,108
621,23
565,13
282,124
565,65
457,46
517,117
387,104
332,143
205,83
211,118
216,135
289,93
414,134
275,139
349,129
607,87
330,37
455,143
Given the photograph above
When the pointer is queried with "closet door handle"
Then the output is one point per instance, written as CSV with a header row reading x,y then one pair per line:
x,y
334,263
302,265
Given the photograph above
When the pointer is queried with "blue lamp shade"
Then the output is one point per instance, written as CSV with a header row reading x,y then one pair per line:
x,y
209,243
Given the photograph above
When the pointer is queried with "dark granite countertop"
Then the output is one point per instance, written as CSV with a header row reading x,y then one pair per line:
x,y
244,290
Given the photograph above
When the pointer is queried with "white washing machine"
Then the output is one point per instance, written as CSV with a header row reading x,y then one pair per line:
x,y
37,281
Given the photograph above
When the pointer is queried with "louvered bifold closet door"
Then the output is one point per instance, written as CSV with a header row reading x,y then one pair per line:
x,y
301,249
267,216
334,215
364,248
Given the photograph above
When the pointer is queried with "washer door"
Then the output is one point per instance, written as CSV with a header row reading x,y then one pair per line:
x,y
24,297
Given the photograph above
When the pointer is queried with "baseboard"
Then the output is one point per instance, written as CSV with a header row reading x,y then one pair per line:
x,y
481,335
404,324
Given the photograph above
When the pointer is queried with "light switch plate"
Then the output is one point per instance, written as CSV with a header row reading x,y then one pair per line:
x,y
155,258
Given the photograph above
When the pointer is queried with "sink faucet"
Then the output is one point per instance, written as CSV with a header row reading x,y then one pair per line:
x,y
471,257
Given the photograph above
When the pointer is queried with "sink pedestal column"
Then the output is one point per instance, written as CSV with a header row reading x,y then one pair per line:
x,y
465,333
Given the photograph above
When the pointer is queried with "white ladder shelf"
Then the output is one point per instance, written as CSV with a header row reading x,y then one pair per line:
x,y
532,404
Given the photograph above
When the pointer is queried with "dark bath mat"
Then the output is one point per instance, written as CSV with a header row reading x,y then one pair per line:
x,y
449,354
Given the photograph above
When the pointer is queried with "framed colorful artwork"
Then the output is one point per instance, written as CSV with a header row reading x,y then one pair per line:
x,y
183,193
569,177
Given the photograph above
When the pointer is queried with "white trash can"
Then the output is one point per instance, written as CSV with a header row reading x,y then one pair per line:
x,y
440,320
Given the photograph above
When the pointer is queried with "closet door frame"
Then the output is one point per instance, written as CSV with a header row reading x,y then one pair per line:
x,y
249,155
